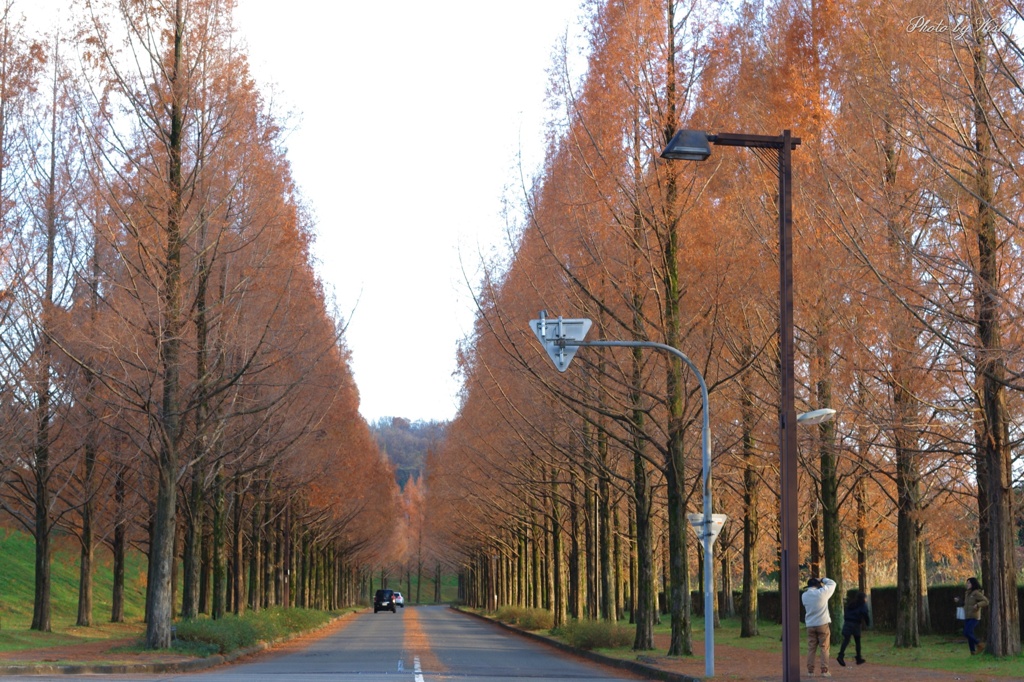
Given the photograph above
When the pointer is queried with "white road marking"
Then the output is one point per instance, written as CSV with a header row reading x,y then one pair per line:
x,y
418,677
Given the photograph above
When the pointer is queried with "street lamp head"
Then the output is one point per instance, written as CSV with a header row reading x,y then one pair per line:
x,y
689,145
816,416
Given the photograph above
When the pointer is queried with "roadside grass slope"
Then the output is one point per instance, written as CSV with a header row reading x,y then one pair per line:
x,y
17,587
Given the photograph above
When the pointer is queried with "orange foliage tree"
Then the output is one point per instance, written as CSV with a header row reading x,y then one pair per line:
x,y
190,375
903,325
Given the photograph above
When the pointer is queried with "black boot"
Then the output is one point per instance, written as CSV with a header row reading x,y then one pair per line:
x,y
840,660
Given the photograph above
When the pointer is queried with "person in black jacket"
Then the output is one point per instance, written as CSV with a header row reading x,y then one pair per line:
x,y
854,615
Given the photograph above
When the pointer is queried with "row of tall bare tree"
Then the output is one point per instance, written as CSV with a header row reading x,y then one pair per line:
x,y
908,316
171,370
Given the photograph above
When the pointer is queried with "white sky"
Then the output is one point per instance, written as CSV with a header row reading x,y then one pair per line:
x,y
409,118
413,114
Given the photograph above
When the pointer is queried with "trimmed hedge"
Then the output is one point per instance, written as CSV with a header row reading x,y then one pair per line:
x,y
882,602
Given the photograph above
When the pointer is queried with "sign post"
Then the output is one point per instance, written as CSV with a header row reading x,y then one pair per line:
x,y
561,338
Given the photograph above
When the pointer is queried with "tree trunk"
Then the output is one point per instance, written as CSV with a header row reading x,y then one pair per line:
x,y
903,351
41,609
161,611
751,486
907,590
302,579
727,602
633,563
831,539
535,564
575,584
606,555
119,548
997,478
681,643
645,598
238,551
43,384
590,532
924,618
269,549
522,565
193,541
617,573
860,494
218,549
861,497
88,549
557,570
256,557
85,580
548,585
437,582
286,558
675,471
193,517
205,565
644,604
815,530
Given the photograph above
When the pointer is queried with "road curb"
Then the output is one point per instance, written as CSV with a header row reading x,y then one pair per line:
x,y
635,667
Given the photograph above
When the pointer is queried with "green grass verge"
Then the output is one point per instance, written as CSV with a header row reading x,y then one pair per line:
x,y
17,568
20,640
199,637
945,652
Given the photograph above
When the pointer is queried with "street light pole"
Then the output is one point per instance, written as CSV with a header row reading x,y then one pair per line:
x,y
790,588
695,146
561,338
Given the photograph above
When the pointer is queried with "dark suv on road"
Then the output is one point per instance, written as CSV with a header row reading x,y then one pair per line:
x,y
384,600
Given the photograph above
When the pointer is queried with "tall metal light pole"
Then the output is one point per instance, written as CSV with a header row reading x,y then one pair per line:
x,y
694,145
560,338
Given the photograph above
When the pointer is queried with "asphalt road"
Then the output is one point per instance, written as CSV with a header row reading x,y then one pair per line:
x,y
417,644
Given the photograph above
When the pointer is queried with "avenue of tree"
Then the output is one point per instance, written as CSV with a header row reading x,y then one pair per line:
x,y
568,492
172,377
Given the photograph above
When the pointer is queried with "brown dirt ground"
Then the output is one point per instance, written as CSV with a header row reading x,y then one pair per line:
x,y
731,663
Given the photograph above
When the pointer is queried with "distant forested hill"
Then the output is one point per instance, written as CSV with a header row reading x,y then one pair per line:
x,y
406,443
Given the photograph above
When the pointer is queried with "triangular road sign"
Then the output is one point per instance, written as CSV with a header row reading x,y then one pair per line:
x,y
557,336
717,521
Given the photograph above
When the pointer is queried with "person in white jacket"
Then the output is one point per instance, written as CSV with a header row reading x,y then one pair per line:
x,y
815,599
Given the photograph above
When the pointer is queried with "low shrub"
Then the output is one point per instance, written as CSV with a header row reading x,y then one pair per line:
x,y
237,632
528,619
595,634
288,621
225,634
